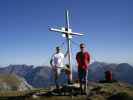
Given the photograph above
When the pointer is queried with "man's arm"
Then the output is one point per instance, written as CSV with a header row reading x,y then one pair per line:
x,y
88,58
77,57
51,62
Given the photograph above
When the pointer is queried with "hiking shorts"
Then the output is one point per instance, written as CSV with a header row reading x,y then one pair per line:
x,y
56,73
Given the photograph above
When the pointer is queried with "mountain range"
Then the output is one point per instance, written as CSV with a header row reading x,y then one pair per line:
x,y
41,76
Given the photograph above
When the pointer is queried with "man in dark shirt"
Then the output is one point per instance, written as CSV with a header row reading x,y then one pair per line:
x,y
83,60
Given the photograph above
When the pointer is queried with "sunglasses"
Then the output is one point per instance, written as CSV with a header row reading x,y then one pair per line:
x,y
82,47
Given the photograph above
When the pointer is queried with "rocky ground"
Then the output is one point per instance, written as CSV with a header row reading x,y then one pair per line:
x,y
95,91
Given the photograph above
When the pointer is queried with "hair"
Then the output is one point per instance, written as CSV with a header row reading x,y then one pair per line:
x,y
82,44
57,48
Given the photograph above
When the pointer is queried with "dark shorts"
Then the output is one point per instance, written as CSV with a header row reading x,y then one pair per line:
x,y
82,74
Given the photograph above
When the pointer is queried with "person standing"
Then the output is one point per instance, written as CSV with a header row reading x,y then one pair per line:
x,y
57,63
83,61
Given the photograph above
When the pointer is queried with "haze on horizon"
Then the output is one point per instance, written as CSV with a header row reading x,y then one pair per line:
x,y
25,38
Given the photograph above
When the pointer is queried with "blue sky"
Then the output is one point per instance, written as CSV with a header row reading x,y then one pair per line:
x,y
25,38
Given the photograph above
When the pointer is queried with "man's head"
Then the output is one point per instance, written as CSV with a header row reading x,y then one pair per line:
x,y
58,49
82,47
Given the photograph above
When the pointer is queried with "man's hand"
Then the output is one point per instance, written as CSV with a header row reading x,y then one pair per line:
x,y
53,68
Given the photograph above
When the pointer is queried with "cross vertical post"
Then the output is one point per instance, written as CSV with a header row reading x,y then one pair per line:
x,y
68,43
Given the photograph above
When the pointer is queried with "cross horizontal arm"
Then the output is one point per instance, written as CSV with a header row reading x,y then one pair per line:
x,y
58,30
73,33
64,32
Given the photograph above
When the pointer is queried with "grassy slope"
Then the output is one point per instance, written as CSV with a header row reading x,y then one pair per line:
x,y
106,90
9,79
96,91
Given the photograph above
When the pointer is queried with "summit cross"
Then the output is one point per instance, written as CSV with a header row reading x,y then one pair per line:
x,y
67,33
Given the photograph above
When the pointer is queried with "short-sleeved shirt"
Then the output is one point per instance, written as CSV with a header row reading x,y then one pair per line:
x,y
83,60
58,60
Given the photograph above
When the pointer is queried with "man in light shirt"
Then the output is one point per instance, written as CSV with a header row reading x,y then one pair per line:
x,y
57,63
